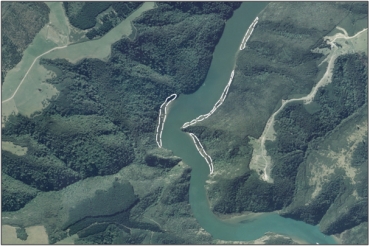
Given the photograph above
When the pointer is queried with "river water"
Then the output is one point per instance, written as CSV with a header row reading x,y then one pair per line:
x,y
188,107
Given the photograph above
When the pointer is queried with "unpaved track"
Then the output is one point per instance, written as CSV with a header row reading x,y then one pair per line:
x,y
15,92
326,79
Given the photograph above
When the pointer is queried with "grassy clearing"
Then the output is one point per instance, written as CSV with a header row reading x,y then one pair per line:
x,y
8,109
341,44
36,235
68,240
33,95
100,48
15,149
59,22
50,36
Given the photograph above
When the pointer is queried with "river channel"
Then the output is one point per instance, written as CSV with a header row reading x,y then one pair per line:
x,y
188,107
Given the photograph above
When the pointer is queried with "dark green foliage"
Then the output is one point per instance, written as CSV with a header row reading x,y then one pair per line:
x,y
154,160
101,30
173,54
286,166
85,150
205,133
147,201
18,125
183,53
362,184
285,54
92,34
313,213
356,7
13,201
123,197
169,238
92,229
21,21
104,118
21,233
85,19
105,203
115,234
93,87
338,100
14,193
249,193
109,236
45,176
225,9
9,56
357,214
360,154
279,241
296,127
358,235
124,9
246,193
178,191
116,219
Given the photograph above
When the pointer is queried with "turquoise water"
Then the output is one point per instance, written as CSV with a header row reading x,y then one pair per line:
x,y
188,107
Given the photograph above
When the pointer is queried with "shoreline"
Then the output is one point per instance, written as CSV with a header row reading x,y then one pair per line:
x,y
239,217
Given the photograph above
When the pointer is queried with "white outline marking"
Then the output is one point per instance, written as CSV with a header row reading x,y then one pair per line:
x,y
248,34
165,104
205,116
205,156
217,104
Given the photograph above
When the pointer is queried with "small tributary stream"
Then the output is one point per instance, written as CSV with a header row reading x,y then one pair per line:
x,y
188,107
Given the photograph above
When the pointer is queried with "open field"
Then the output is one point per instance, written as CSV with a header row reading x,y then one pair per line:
x,y
32,76
341,44
15,149
100,48
36,235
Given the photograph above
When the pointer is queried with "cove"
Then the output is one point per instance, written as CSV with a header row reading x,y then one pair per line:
x,y
187,107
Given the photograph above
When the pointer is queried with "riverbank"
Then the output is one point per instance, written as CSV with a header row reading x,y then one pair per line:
x,y
236,218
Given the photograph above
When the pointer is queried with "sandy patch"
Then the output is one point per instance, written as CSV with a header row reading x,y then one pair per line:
x,y
15,149
7,110
340,44
68,240
36,235
237,218
339,159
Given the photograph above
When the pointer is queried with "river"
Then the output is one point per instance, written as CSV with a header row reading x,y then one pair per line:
x,y
188,107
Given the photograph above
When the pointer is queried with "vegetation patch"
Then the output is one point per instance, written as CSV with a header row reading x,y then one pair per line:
x,y
21,22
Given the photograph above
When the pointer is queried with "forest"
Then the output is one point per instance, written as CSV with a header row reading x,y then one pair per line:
x,y
21,21
296,128
104,119
85,17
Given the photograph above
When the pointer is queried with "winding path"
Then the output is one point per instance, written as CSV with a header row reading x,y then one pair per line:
x,y
15,92
335,51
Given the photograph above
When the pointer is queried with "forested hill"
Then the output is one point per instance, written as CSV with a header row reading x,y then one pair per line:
x,y
21,21
315,152
103,123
